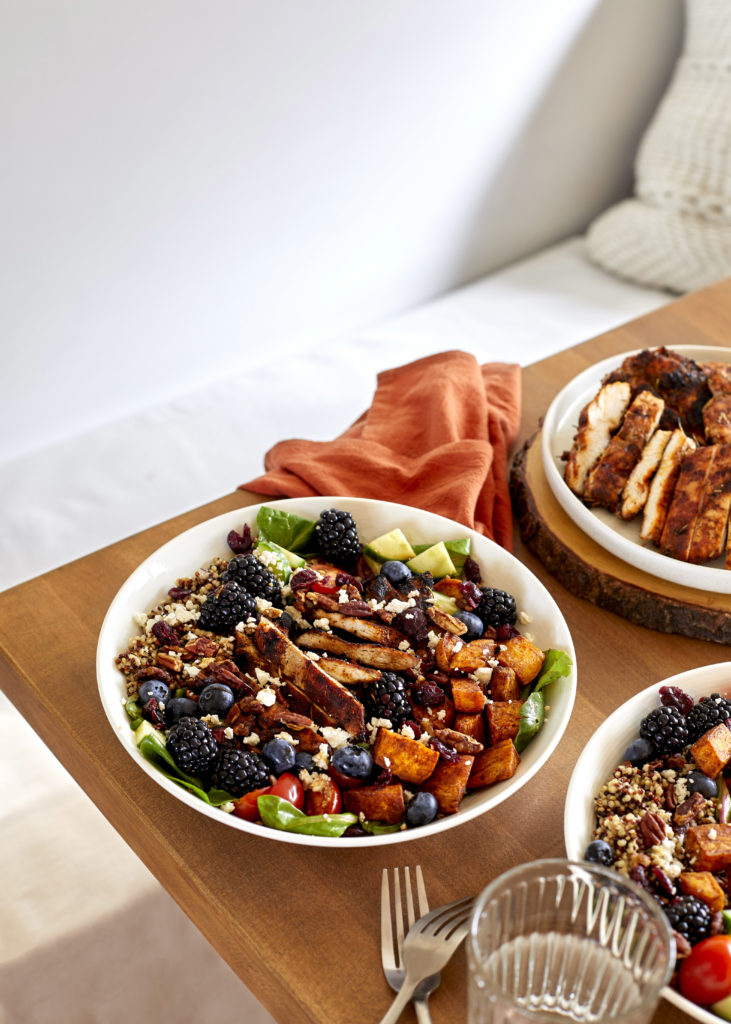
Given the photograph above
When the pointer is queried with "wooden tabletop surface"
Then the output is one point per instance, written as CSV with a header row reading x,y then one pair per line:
x,y
300,925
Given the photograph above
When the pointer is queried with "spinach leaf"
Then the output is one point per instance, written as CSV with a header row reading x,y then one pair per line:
x,y
279,813
157,754
532,714
286,529
556,665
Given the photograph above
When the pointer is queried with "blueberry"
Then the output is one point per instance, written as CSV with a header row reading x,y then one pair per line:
x,y
599,852
421,810
216,699
150,688
697,782
473,623
396,572
304,761
279,755
355,762
639,752
179,707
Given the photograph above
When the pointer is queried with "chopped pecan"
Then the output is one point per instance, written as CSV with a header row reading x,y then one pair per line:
x,y
682,946
652,829
154,672
717,925
202,646
170,661
295,721
462,743
675,761
669,799
689,809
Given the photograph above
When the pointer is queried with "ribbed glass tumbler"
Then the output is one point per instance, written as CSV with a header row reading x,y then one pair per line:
x,y
555,940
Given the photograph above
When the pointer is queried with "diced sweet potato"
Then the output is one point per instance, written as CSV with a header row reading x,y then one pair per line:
x,y
709,847
504,684
494,764
525,659
471,725
704,886
377,803
503,720
467,695
712,751
449,587
448,782
476,654
409,759
432,717
448,644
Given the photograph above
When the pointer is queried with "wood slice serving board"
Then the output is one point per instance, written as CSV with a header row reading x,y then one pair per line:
x,y
590,572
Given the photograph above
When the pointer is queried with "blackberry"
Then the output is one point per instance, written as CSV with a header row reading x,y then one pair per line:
x,y
192,745
666,729
690,917
336,537
225,608
239,771
386,698
709,711
254,577
496,608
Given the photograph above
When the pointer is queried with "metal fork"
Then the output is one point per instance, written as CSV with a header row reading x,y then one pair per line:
x,y
391,955
427,947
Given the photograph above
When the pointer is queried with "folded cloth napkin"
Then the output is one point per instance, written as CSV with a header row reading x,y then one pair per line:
x,y
436,437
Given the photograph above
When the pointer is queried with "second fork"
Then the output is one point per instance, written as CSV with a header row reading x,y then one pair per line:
x,y
392,915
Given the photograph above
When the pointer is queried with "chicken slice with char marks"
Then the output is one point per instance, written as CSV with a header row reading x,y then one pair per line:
x,y
637,487
598,421
687,502
709,529
663,485
717,419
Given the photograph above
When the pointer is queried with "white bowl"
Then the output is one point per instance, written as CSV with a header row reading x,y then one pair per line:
x,y
195,548
601,756
615,535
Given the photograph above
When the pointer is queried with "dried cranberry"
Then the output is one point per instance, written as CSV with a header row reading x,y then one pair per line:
x,y
507,632
151,711
240,543
303,579
428,661
414,624
384,778
639,875
427,694
344,578
448,753
470,593
165,634
355,831
179,593
663,881
471,571
674,697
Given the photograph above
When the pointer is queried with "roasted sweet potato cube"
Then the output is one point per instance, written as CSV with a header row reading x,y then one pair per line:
x,y
709,847
476,654
467,695
712,751
449,586
471,725
525,659
409,759
438,716
377,803
704,886
448,644
448,782
494,764
504,684
503,719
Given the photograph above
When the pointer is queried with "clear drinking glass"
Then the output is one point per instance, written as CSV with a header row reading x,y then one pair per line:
x,y
555,940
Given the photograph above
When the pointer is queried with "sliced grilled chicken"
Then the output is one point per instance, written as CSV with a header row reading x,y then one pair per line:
x,y
348,672
717,419
709,529
597,423
637,487
366,654
686,503
719,377
663,485
608,478
365,629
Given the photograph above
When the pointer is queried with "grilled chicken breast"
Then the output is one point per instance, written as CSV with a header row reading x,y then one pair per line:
x,y
717,419
637,487
709,529
719,377
663,485
597,423
608,478
686,503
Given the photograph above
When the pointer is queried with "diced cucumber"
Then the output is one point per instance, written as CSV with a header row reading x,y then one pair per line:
x,y
278,560
445,604
459,550
146,729
390,547
435,560
722,1008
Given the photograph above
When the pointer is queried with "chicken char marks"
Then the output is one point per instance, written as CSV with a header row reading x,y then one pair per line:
x,y
678,380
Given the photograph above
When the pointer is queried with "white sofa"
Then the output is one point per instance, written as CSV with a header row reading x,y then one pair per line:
x,y
144,381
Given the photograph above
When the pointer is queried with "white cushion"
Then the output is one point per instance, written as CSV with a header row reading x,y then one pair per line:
x,y
676,232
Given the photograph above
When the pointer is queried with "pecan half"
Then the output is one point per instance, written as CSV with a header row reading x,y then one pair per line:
x,y
462,743
202,646
170,661
689,809
652,829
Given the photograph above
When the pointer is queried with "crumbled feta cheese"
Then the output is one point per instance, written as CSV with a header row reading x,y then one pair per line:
x,y
343,596
262,604
228,732
404,645
408,732
266,696
191,671
375,605
441,715
213,720
396,606
263,677
432,639
316,781
483,674
322,624
322,757
284,735
179,615
252,739
335,737
712,833
139,618
227,807
267,558
312,655
525,617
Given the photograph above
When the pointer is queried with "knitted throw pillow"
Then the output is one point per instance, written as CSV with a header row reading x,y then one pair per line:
x,y
676,233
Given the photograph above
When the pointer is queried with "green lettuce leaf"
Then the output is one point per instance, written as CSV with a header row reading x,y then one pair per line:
x,y
286,529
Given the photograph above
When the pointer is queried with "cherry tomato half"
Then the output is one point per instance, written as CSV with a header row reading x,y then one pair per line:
x,y
290,788
705,975
245,807
327,800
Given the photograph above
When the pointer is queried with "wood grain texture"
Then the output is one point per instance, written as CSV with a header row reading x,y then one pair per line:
x,y
300,926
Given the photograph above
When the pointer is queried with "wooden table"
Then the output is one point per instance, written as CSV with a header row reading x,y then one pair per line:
x,y
298,925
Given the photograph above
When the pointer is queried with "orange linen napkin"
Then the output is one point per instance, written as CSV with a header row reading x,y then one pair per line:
x,y
437,437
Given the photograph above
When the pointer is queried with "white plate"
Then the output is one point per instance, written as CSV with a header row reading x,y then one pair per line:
x,y
608,530
601,756
195,548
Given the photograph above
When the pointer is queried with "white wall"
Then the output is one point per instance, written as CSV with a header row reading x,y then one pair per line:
x,y
191,186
